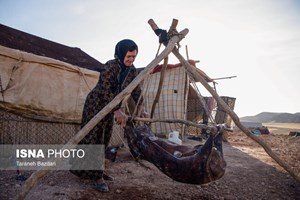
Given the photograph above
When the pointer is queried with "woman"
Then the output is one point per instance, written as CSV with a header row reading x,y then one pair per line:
x,y
116,76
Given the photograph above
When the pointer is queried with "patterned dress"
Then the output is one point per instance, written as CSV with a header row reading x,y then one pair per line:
x,y
111,82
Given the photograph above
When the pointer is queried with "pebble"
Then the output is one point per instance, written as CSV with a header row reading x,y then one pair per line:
x,y
118,191
51,183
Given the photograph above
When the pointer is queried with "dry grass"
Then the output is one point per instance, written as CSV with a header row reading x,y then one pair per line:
x,y
283,125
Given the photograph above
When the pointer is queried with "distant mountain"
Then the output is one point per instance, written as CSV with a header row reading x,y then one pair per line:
x,y
267,117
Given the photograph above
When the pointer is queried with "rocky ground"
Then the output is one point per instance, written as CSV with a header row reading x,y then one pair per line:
x,y
250,174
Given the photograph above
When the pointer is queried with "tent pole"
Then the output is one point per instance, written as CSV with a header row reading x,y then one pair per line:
x,y
161,81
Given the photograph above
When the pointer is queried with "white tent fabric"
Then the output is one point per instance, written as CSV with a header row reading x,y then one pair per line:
x,y
42,87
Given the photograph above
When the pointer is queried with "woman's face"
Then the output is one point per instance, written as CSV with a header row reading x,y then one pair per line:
x,y
130,57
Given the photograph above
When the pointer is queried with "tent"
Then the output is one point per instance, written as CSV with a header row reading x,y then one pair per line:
x,y
44,85
178,98
43,88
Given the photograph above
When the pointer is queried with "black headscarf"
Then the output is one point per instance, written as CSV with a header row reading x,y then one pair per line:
x,y
121,50
123,47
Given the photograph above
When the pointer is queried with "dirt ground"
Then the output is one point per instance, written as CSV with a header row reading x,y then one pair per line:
x,y
250,174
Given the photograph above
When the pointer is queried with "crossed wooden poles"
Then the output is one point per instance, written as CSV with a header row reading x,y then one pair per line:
x,y
170,47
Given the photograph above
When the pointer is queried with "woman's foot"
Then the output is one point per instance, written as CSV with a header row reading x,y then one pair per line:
x,y
101,186
107,177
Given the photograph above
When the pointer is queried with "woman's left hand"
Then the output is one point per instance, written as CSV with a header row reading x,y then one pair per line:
x,y
142,112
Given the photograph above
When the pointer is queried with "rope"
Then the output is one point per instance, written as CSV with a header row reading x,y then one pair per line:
x,y
14,67
1,89
158,50
83,77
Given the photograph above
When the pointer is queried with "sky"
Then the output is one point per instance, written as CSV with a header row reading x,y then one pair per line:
x,y
258,41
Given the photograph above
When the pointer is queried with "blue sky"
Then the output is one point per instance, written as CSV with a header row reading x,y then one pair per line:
x,y
256,40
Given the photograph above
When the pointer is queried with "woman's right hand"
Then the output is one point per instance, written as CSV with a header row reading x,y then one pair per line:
x,y
120,117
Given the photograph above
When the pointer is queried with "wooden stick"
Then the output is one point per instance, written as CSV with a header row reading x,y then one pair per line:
x,y
187,52
228,77
192,70
161,81
182,121
36,176
173,25
152,24
234,117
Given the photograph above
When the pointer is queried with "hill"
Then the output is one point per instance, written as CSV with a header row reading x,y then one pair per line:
x,y
267,117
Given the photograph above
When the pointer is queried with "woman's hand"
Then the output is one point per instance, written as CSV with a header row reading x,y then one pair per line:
x,y
120,117
142,112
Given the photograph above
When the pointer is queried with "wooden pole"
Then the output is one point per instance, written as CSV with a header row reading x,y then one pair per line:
x,y
160,85
234,117
182,121
36,176
193,72
173,25
228,77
